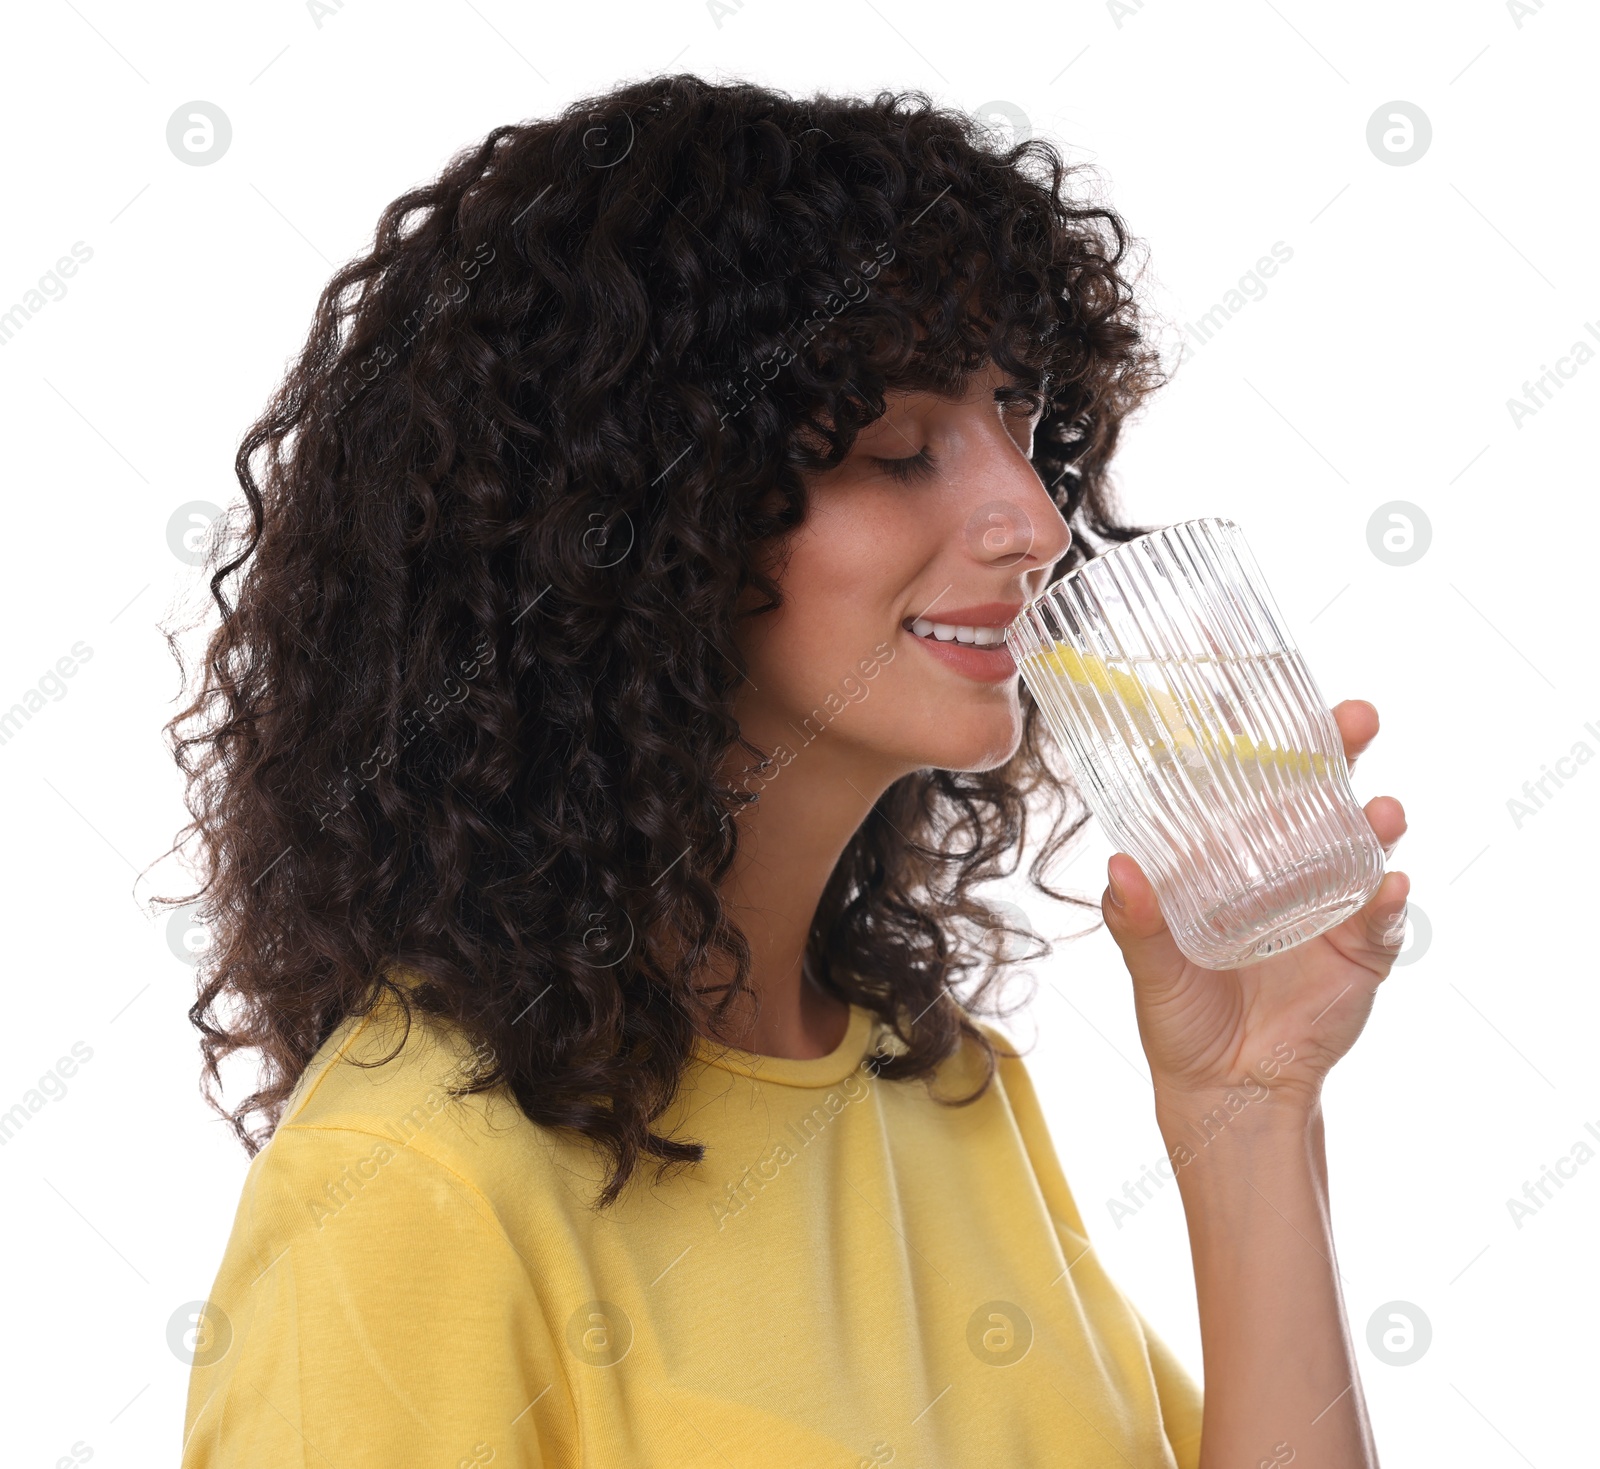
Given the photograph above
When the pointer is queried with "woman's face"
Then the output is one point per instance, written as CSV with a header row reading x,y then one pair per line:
x,y
898,585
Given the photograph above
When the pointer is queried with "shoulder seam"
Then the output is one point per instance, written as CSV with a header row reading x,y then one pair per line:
x,y
489,1216
417,1145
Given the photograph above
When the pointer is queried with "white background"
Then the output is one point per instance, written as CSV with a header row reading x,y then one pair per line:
x,y
1377,367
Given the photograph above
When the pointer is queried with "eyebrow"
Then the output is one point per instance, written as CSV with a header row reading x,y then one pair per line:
x,y
1016,385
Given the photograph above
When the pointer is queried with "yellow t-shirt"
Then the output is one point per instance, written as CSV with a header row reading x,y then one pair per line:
x,y
855,1277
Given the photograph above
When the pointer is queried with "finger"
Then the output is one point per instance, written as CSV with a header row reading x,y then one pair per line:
x,y
1387,818
1382,922
1358,726
1148,948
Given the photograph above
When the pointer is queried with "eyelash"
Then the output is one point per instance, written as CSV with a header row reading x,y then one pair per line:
x,y
913,466
922,464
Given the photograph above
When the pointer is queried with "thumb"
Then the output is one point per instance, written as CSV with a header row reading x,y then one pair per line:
x,y
1133,918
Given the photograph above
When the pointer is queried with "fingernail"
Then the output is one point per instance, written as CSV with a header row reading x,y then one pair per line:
x,y
1116,892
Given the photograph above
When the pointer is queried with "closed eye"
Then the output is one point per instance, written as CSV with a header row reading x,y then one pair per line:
x,y
1025,403
914,466
1013,399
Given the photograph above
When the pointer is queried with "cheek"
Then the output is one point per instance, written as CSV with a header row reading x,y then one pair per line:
x,y
867,544
843,587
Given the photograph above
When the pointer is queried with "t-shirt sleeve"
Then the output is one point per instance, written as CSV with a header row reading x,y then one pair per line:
x,y
1178,1394
369,1311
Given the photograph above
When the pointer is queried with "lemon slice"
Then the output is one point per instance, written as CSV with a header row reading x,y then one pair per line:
x,y
1161,722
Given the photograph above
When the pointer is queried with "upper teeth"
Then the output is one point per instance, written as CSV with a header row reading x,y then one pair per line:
x,y
945,632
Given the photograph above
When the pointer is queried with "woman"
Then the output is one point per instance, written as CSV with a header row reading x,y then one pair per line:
x,y
612,733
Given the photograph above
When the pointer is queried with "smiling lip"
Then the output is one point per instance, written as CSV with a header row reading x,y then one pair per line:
x,y
983,614
992,664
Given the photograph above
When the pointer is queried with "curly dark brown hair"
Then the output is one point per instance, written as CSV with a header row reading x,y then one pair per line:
x,y
466,712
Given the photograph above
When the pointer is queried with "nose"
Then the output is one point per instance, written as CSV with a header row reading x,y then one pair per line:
x,y
1012,521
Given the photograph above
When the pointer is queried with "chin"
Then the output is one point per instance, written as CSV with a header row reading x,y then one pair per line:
x,y
977,749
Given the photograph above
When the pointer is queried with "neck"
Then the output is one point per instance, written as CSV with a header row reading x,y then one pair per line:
x,y
789,843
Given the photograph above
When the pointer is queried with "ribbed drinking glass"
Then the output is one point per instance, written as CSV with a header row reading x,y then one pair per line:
x,y
1198,738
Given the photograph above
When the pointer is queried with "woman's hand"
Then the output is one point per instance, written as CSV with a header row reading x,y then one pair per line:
x,y
1204,1029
